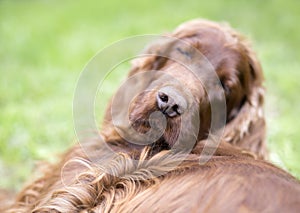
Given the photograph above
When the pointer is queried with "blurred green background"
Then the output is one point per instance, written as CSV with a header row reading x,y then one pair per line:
x,y
44,46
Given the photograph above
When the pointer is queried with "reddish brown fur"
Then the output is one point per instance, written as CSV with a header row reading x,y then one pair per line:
x,y
240,74
232,180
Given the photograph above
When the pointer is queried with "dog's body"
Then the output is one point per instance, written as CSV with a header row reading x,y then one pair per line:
x,y
231,181
234,178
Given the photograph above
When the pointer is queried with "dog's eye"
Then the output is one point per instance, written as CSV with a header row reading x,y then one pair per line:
x,y
225,88
184,52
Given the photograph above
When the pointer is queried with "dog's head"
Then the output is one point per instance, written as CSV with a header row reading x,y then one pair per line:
x,y
179,88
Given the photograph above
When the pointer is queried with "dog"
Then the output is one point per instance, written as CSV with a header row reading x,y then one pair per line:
x,y
168,174
240,75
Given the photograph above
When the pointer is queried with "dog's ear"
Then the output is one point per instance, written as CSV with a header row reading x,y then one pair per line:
x,y
152,58
247,129
255,68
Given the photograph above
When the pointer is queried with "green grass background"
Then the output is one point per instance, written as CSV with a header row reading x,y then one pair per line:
x,y
44,46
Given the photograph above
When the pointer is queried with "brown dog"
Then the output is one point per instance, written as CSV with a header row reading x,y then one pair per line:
x,y
160,180
237,68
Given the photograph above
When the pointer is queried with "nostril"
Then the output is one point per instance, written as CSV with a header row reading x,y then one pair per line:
x,y
170,102
175,108
163,97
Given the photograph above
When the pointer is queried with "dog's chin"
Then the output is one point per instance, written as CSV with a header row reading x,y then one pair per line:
x,y
168,135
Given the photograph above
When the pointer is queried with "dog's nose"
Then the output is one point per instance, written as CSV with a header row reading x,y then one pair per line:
x,y
170,102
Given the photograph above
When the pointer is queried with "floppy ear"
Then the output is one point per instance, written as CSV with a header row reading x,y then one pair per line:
x,y
254,65
247,129
151,58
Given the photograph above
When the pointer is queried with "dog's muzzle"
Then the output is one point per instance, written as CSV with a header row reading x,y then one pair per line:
x,y
171,102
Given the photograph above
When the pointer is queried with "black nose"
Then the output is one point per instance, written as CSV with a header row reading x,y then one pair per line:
x,y
170,102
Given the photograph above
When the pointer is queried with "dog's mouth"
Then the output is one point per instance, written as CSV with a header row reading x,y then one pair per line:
x,y
160,112
167,128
